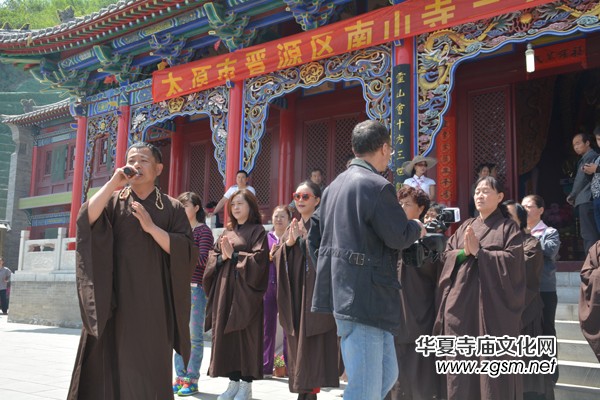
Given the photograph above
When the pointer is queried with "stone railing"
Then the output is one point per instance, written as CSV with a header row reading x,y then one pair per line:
x,y
47,255
56,255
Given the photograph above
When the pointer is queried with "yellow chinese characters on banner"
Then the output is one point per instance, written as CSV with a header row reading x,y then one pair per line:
x,y
383,25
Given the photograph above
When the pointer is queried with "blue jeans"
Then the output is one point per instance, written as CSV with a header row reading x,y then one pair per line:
x,y
197,314
370,360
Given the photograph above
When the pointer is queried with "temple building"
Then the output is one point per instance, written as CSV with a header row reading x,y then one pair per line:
x,y
275,87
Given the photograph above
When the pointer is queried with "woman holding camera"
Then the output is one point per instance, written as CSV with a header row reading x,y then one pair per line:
x,y
482,290
417,378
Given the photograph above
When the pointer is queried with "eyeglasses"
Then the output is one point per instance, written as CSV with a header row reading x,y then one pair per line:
x,y
392,151
303,196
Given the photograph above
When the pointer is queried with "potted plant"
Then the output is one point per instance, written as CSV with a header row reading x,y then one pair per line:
x,y
279,370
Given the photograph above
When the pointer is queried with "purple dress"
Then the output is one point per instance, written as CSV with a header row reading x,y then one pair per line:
x,y
270,312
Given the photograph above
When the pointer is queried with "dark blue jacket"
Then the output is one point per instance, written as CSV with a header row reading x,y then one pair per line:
x,y
361,226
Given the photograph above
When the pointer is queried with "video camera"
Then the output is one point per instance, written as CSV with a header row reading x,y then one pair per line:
x,y
429,247
447,216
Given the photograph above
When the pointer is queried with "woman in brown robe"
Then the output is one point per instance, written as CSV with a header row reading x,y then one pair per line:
x,y
311,337
482,290
589,299
534,386
235,281
417,378
135,258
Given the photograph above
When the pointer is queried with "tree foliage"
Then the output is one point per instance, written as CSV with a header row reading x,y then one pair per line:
x,y
43,13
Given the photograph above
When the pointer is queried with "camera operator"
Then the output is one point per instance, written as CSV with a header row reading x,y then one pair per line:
x,y
431,220
417,298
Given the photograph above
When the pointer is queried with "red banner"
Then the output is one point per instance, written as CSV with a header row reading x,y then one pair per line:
x,y
410,18
557,55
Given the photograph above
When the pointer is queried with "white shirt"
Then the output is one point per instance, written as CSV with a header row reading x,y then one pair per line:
x,y
234,188
422,183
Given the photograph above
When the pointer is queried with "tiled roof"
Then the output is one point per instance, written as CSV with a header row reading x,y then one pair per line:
x,y
39,114
109,21
17,36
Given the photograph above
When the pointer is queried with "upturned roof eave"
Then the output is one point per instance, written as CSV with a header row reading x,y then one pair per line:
x,y
117,20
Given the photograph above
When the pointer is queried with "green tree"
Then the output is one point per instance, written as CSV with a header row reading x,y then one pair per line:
x,y
43,13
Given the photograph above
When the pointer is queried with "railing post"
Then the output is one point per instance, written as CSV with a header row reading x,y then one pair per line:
x,y
23,249
62,232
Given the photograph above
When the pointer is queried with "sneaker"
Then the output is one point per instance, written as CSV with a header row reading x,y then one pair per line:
x,y
244,392
231,391
177,384
188,389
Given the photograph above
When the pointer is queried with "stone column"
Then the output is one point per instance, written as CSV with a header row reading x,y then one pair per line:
x,y
18,187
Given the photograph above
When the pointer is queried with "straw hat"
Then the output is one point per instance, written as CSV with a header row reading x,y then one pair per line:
x,y
408,166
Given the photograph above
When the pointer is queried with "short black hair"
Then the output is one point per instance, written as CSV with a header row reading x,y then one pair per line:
x,y
497,186
521,213
584,137
140,145
193,199
312,186
368,136
241,171
537,199
481,166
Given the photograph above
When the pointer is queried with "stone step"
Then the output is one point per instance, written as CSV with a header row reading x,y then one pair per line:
x,y
564,391
568,330
572,279
567,311
579,373
568,294
576,350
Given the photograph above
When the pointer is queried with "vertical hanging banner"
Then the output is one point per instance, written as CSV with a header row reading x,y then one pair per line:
x,y
401,112
384,25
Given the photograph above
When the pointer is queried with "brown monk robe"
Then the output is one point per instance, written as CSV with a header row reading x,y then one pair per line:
x,y
311,337
589,299
531,319
234,309
417,378
483,296
134,300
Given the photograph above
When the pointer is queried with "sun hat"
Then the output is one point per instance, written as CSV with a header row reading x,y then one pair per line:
x,y
408,166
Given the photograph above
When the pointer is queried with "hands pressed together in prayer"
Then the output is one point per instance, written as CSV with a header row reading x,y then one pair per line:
x,y
472,245
296,230
226,248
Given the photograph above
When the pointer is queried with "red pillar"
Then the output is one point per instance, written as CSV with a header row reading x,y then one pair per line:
x,y
447,177
122,136
176,159
34,168
234,134
76,194
287,124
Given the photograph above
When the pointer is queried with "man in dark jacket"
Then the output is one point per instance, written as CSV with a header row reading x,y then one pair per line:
x,y
581,194
362,226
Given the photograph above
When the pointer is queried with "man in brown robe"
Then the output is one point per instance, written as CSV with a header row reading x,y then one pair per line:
x,y
589,299
135,257
234,311
484,295
311,337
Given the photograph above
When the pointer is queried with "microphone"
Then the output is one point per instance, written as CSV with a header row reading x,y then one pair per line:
x,y
130,172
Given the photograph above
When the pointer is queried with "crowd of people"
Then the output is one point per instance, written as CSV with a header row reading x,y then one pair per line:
x,y
331,273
